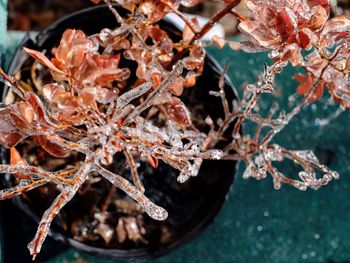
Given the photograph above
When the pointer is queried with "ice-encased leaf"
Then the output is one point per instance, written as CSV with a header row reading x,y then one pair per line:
x,y
334,30
250,171
41,58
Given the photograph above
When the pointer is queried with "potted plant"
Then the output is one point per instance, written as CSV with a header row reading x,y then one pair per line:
x,y
203,196
119,94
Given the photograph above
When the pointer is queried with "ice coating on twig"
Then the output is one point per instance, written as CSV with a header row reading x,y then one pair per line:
x,y
151,209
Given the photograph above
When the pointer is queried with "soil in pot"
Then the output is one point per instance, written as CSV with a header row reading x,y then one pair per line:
x,y
101,218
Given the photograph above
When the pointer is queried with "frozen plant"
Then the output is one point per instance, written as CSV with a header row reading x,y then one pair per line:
x,y
98,109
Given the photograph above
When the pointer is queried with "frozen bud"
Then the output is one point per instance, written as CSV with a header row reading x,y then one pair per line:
x,y
277,183
335,175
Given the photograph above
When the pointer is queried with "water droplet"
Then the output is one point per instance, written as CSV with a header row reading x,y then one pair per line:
x,y
334,243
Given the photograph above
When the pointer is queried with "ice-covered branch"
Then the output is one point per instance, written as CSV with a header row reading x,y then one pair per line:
x,y
150,208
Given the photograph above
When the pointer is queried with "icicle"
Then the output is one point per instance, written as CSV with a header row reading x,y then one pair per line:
x,y
154,211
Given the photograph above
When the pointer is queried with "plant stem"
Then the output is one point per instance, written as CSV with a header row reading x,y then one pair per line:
x,y
216,18
205,29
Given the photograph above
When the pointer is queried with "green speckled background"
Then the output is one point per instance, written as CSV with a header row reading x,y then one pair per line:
x,y
258,223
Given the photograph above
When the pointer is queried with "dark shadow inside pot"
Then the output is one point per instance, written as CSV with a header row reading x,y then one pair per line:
x,y
192,206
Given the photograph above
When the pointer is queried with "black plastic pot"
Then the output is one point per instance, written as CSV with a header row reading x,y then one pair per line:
x,y
212,184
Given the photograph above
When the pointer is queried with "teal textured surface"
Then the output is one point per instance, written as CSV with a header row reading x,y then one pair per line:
x,y
3,23
260,224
